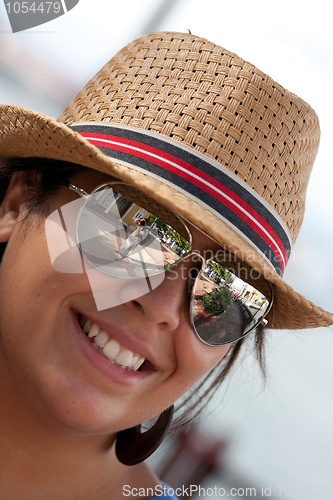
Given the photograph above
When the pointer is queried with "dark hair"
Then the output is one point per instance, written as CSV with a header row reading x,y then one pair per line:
x,y
41,179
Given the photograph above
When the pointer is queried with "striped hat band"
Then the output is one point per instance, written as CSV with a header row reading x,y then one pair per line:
x,y
201,178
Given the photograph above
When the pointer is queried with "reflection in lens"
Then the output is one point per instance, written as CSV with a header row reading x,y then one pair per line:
x,y
224,307
217,301
123,236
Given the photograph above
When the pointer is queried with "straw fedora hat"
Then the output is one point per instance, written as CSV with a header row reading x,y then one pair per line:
x,y
205,134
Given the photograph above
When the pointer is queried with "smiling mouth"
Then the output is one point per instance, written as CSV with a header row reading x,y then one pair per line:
x,y
111,348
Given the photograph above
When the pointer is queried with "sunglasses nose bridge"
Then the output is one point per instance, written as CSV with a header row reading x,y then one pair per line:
x,y
195,264
197,259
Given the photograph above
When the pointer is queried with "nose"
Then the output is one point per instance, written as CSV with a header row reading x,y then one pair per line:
x,y
168,304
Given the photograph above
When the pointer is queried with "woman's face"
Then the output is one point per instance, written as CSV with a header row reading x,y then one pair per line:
x,y
49,363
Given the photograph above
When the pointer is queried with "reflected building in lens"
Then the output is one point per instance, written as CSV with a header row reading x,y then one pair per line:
x,y
108,202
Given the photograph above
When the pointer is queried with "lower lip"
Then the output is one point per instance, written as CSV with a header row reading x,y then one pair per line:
x,y
103,365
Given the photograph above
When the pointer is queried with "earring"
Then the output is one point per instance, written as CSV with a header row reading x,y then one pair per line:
x,y
134,446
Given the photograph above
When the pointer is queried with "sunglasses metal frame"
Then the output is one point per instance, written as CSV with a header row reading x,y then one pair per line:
x,y
189,253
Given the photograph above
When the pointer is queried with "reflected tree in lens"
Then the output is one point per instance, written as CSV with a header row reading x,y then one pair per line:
x,y
168,236
216,301
217,273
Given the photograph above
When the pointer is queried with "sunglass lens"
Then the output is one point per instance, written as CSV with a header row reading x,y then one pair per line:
x,y
126,236
224,307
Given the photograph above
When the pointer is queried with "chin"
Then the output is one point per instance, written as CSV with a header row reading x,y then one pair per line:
x,y
77,407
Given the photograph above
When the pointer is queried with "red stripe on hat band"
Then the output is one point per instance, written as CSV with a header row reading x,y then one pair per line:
x,y
201,180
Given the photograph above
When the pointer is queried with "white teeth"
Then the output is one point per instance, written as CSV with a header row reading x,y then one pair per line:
x,y
138,364
94,330
124,358
101,339
86,326
111,349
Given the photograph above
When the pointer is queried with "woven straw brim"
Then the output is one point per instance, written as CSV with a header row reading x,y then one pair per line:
x,y
29,134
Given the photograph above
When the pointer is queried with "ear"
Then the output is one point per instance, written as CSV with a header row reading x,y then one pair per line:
x,y
11,207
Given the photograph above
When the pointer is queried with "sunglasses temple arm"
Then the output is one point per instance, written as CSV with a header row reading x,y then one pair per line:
x,y
79,191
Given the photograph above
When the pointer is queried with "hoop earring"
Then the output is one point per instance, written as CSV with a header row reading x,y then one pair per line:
x,y
134,446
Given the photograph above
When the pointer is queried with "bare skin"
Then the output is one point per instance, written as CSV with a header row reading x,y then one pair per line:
x,y
61,407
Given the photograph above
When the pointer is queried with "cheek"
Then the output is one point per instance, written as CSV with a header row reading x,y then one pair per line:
x,y
196,359
34,315
29,285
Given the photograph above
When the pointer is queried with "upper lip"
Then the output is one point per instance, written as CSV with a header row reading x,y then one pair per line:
x,y
125,338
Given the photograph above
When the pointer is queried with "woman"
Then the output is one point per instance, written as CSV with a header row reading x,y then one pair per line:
x,y
135,237
219,156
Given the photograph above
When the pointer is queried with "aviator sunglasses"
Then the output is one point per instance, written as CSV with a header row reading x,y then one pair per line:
x,y
125,234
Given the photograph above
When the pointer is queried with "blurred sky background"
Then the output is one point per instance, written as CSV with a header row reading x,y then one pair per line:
x,y
280,435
